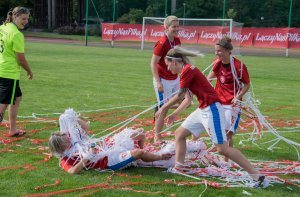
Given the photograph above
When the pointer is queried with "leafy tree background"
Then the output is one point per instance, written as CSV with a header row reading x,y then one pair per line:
x,y
253,13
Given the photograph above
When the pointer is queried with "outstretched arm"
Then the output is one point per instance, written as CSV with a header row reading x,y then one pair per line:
x,y
175,99
183,105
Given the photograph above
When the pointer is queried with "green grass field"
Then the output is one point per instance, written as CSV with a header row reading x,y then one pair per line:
x,y
94,80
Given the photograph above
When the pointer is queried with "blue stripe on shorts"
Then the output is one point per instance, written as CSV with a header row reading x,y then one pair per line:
x,y
161,98
121,164
237,122
217,123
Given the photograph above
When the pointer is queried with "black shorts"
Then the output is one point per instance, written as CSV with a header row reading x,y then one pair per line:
x,y
6,90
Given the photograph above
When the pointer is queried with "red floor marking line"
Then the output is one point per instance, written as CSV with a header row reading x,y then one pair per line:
x,y
57,182
11,167
67,190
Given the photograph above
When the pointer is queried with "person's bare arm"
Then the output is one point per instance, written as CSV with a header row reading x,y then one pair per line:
x,y
84,125
154,61
211,76
175,99
184,104
78,167
240,95
23,62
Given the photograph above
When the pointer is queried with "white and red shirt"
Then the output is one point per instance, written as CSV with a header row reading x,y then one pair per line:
x,y
226,86
161,48
66,163
193,79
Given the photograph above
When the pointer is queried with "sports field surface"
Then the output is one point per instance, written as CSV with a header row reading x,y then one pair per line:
x,y
109,85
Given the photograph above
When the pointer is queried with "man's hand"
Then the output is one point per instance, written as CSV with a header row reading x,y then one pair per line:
x,y
170,120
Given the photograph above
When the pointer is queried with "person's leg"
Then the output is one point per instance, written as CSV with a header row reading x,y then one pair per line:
x,y
12,113
159,124
180,145
148,157
139,135
162,97
2,111
236,156
229,136
233,119
5,85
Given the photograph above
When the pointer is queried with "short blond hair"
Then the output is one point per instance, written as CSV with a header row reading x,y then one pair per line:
x,y
168,21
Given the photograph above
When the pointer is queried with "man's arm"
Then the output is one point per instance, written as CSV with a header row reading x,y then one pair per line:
x,y
154,61
211,76
78,167
23,62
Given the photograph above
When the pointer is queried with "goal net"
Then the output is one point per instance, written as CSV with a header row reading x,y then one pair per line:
x,y
195,32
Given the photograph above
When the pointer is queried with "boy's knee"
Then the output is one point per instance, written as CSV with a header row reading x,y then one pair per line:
x,y
137,153
222,150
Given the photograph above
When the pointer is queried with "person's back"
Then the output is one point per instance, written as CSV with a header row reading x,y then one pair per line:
x,y
11,41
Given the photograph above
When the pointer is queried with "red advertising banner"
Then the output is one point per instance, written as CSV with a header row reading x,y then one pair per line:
x,y
242,37
188,34
294,38
107,31
153,32
270,37
122,32
210,35
256,37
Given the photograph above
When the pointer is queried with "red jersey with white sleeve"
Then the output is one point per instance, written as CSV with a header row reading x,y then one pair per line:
x,y
161,48
193,79
226,86
68,162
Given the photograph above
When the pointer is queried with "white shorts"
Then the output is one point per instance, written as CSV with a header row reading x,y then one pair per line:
x,y
211,119
120,160
232,117
170,87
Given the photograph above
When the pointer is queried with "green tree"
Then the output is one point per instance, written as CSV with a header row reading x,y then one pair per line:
x,y
231,13
155,8
133,17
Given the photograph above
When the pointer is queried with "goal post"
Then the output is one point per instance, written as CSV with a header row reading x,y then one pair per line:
x,y
193,31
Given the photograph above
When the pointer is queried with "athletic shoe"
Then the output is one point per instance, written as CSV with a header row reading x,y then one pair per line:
x,y
174,170
262,182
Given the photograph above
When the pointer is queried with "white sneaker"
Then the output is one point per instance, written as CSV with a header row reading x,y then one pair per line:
x,y
262,182
173,170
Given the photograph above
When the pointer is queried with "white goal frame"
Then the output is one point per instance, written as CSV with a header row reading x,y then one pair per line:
x,y
183,19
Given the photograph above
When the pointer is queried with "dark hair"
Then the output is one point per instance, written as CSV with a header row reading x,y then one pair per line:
x,y
17,11
225,42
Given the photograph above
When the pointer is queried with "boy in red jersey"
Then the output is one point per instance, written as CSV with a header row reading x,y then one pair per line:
x,y
232,83
77,151
165,83
209,115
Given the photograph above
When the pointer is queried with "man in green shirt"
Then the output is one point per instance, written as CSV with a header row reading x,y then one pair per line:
x,y
12,58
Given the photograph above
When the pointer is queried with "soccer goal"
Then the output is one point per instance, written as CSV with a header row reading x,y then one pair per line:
x,y
194,31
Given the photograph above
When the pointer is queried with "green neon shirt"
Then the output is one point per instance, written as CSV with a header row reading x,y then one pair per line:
x,y
11,42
